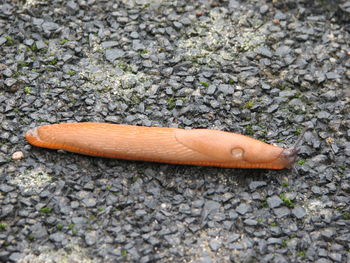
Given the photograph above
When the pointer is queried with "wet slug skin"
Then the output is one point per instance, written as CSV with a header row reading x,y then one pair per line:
x,y
166,145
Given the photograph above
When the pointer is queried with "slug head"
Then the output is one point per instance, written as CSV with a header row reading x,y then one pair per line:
x,y
291,154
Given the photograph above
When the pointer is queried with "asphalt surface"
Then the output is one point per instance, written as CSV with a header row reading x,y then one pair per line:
x,y
265,69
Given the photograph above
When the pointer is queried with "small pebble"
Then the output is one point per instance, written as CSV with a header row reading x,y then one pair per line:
x,y
17,156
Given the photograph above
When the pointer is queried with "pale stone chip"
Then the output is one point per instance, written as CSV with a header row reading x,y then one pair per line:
x,y
17,156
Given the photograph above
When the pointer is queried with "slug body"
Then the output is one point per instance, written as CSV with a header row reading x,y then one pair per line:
x,y
166,145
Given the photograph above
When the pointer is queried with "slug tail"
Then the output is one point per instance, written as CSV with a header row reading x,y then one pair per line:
x,y
32,136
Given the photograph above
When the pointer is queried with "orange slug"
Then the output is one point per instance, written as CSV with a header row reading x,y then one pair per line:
x,y
166,145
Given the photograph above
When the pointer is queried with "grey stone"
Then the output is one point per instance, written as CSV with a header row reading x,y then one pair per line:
x,y
28,42
280,16
328,234
214,245
37,21
232,215
40,44
78,220
275,231
309,77
282,51
323,260
264,51
272,108
89,202
256,184
281,212
211,89
91,238
250,222
316,190
137,45
189,79
320,76
332,75
134,35
147,63
109,44
39,231
4,256
323,115
113,54
6,210
233,4
214,104
287,93
330,95
177,25
274,241
225,89
227,197
243,208
233,238
263,9
210,207
299,212
185,21
57,237
336,257
145,259
49,26
72,6
5,188
16,256
141,212
167,71
66,57
2,41
89,101
274,201
9,82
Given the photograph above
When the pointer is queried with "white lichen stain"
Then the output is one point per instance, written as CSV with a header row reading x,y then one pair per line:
x,y
30,3
203,251
133,3
317,207
31,179
218,39
117,78
71,253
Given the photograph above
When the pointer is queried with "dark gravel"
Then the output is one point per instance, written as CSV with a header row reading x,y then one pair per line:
x,y
262,68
